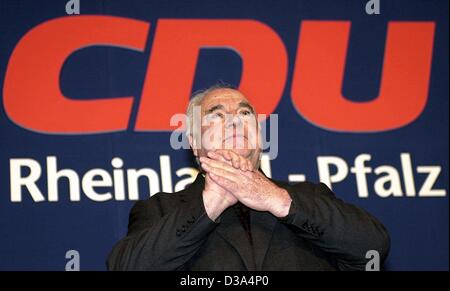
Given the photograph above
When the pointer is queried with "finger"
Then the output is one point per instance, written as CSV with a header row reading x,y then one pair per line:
x,y
249,174
243,162
250,165
219,157
218,164
234,159
224,153
237,161
220,172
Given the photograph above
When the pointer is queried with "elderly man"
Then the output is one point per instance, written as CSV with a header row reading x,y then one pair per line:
x,y
235,218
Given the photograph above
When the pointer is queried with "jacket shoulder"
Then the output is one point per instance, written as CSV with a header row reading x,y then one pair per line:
x,y
145,212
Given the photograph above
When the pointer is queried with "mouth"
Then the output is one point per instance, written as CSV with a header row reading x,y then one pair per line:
x,y
236,136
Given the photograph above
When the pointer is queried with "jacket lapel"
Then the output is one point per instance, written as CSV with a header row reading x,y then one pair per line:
x,y
262,225
233,232
262,228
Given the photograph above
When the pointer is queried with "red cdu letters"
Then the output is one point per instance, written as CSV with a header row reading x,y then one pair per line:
x,y
33,99
319,69
32,95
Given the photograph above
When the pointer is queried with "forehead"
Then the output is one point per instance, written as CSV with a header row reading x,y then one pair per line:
x,y
224,97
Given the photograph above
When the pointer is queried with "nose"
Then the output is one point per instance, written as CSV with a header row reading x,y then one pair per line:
x,y
233,120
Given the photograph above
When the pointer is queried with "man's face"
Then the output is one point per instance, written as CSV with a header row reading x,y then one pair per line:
x,y
229,122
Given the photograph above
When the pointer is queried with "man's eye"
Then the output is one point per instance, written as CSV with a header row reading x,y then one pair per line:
x,y
216,115
245,112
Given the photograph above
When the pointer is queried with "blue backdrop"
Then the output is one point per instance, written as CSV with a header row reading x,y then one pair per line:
x,y
406,156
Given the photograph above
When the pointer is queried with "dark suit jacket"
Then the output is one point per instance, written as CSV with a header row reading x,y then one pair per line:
x,y
321,232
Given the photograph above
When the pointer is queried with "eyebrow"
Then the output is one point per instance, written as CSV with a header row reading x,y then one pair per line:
x,y
246,105
214,108
241,104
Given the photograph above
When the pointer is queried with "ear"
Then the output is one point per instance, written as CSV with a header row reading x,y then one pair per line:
x,y
193,145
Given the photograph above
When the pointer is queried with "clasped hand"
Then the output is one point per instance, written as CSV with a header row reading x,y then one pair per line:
x,y
237,176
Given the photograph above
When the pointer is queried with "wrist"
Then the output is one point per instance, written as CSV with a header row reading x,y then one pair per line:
x,y
282,204
214,204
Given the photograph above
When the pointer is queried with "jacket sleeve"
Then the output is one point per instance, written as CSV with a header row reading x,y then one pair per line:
x,y
161,242
343,231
